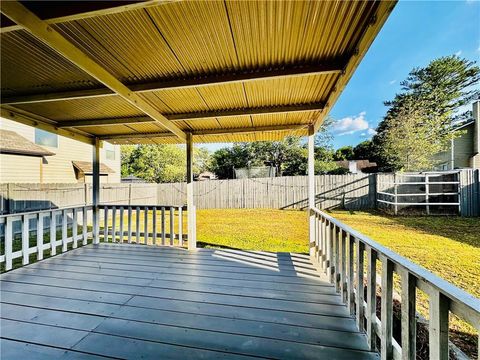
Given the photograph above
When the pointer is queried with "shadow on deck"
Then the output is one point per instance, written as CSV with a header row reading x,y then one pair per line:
x,y
132,301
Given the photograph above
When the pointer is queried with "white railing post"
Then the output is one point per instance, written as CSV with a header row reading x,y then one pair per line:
x,y
8,243
96,191
53,233
25,239
311,189
409,323
438,326
387,309
40,236
191,211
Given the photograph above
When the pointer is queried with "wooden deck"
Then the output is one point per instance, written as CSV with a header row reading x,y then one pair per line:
x,y
132,301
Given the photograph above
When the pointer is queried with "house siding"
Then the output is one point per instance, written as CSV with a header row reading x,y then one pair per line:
x,y
57,168
27,171
463,151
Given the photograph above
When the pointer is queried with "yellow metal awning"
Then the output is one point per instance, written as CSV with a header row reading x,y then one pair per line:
x,y
148,72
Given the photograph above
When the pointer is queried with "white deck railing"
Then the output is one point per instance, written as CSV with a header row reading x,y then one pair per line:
x,y
23,234
145,224
340,251
70,221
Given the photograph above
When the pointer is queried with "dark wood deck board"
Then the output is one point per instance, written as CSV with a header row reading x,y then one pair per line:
x,y
128,301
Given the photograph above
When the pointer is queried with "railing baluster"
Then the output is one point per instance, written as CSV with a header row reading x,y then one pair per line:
x,y
334,279
8,243
386,351
85,226
331,253
121,224
53,233
137,224
25,240
64,231
342,250
180,226
163,225
105,223
129,224
360,247
371,297
145,220
409,322
75,228
40,236
114,227
350,261
154,225
438,326
325,245
172,227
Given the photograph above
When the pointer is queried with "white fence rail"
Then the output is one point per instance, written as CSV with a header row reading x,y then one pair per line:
x,y
344,254
147,224
41,233
70,223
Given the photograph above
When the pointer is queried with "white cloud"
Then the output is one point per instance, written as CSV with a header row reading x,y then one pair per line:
x,y
369,133
391,82
350,124
458,53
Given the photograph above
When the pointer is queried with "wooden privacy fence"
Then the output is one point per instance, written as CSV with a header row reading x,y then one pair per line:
x,y
351,191
350,259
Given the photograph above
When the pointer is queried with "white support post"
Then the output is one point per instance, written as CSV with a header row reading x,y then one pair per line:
x,y
192,227
311,188
96,191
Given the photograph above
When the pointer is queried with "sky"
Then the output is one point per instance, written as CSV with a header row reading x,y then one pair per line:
x,y
415,33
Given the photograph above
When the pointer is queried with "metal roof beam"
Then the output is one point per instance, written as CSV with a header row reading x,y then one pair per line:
x,y
56,12
247,111
195,115
45,33
103,122
331,67
274,128
26,118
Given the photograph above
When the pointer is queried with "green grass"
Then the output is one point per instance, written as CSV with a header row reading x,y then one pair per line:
x,y
254,229
447,246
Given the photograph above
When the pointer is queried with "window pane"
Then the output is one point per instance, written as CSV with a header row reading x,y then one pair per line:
x,y
46,138
110,154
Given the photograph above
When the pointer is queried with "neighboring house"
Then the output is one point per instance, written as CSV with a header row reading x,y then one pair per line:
x,y
358,166
30,155
132,179
463,151
206,175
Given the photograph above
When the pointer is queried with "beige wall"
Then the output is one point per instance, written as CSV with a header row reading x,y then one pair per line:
x,y
25,171
57,168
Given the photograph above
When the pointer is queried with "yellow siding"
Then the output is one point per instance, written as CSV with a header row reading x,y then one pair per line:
x,y
57,168
19,169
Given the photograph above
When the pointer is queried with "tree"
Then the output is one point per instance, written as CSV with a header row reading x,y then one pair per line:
x,y
365,151
419,121
161,163
344,153
125,154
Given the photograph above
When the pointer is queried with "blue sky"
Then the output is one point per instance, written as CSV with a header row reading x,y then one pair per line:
x,y
415,33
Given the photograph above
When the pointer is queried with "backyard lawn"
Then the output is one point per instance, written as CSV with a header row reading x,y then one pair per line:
x,y
447,246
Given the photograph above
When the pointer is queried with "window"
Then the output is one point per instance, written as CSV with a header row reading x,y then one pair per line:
x,y
46,138
109,151
110,154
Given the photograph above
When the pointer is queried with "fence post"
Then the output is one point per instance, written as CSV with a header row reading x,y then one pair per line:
x,y
192,239
96,190
311,188
427,195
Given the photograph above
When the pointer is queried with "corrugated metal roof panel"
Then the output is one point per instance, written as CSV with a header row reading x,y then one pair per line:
x,y
29,65
90,108
129,44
